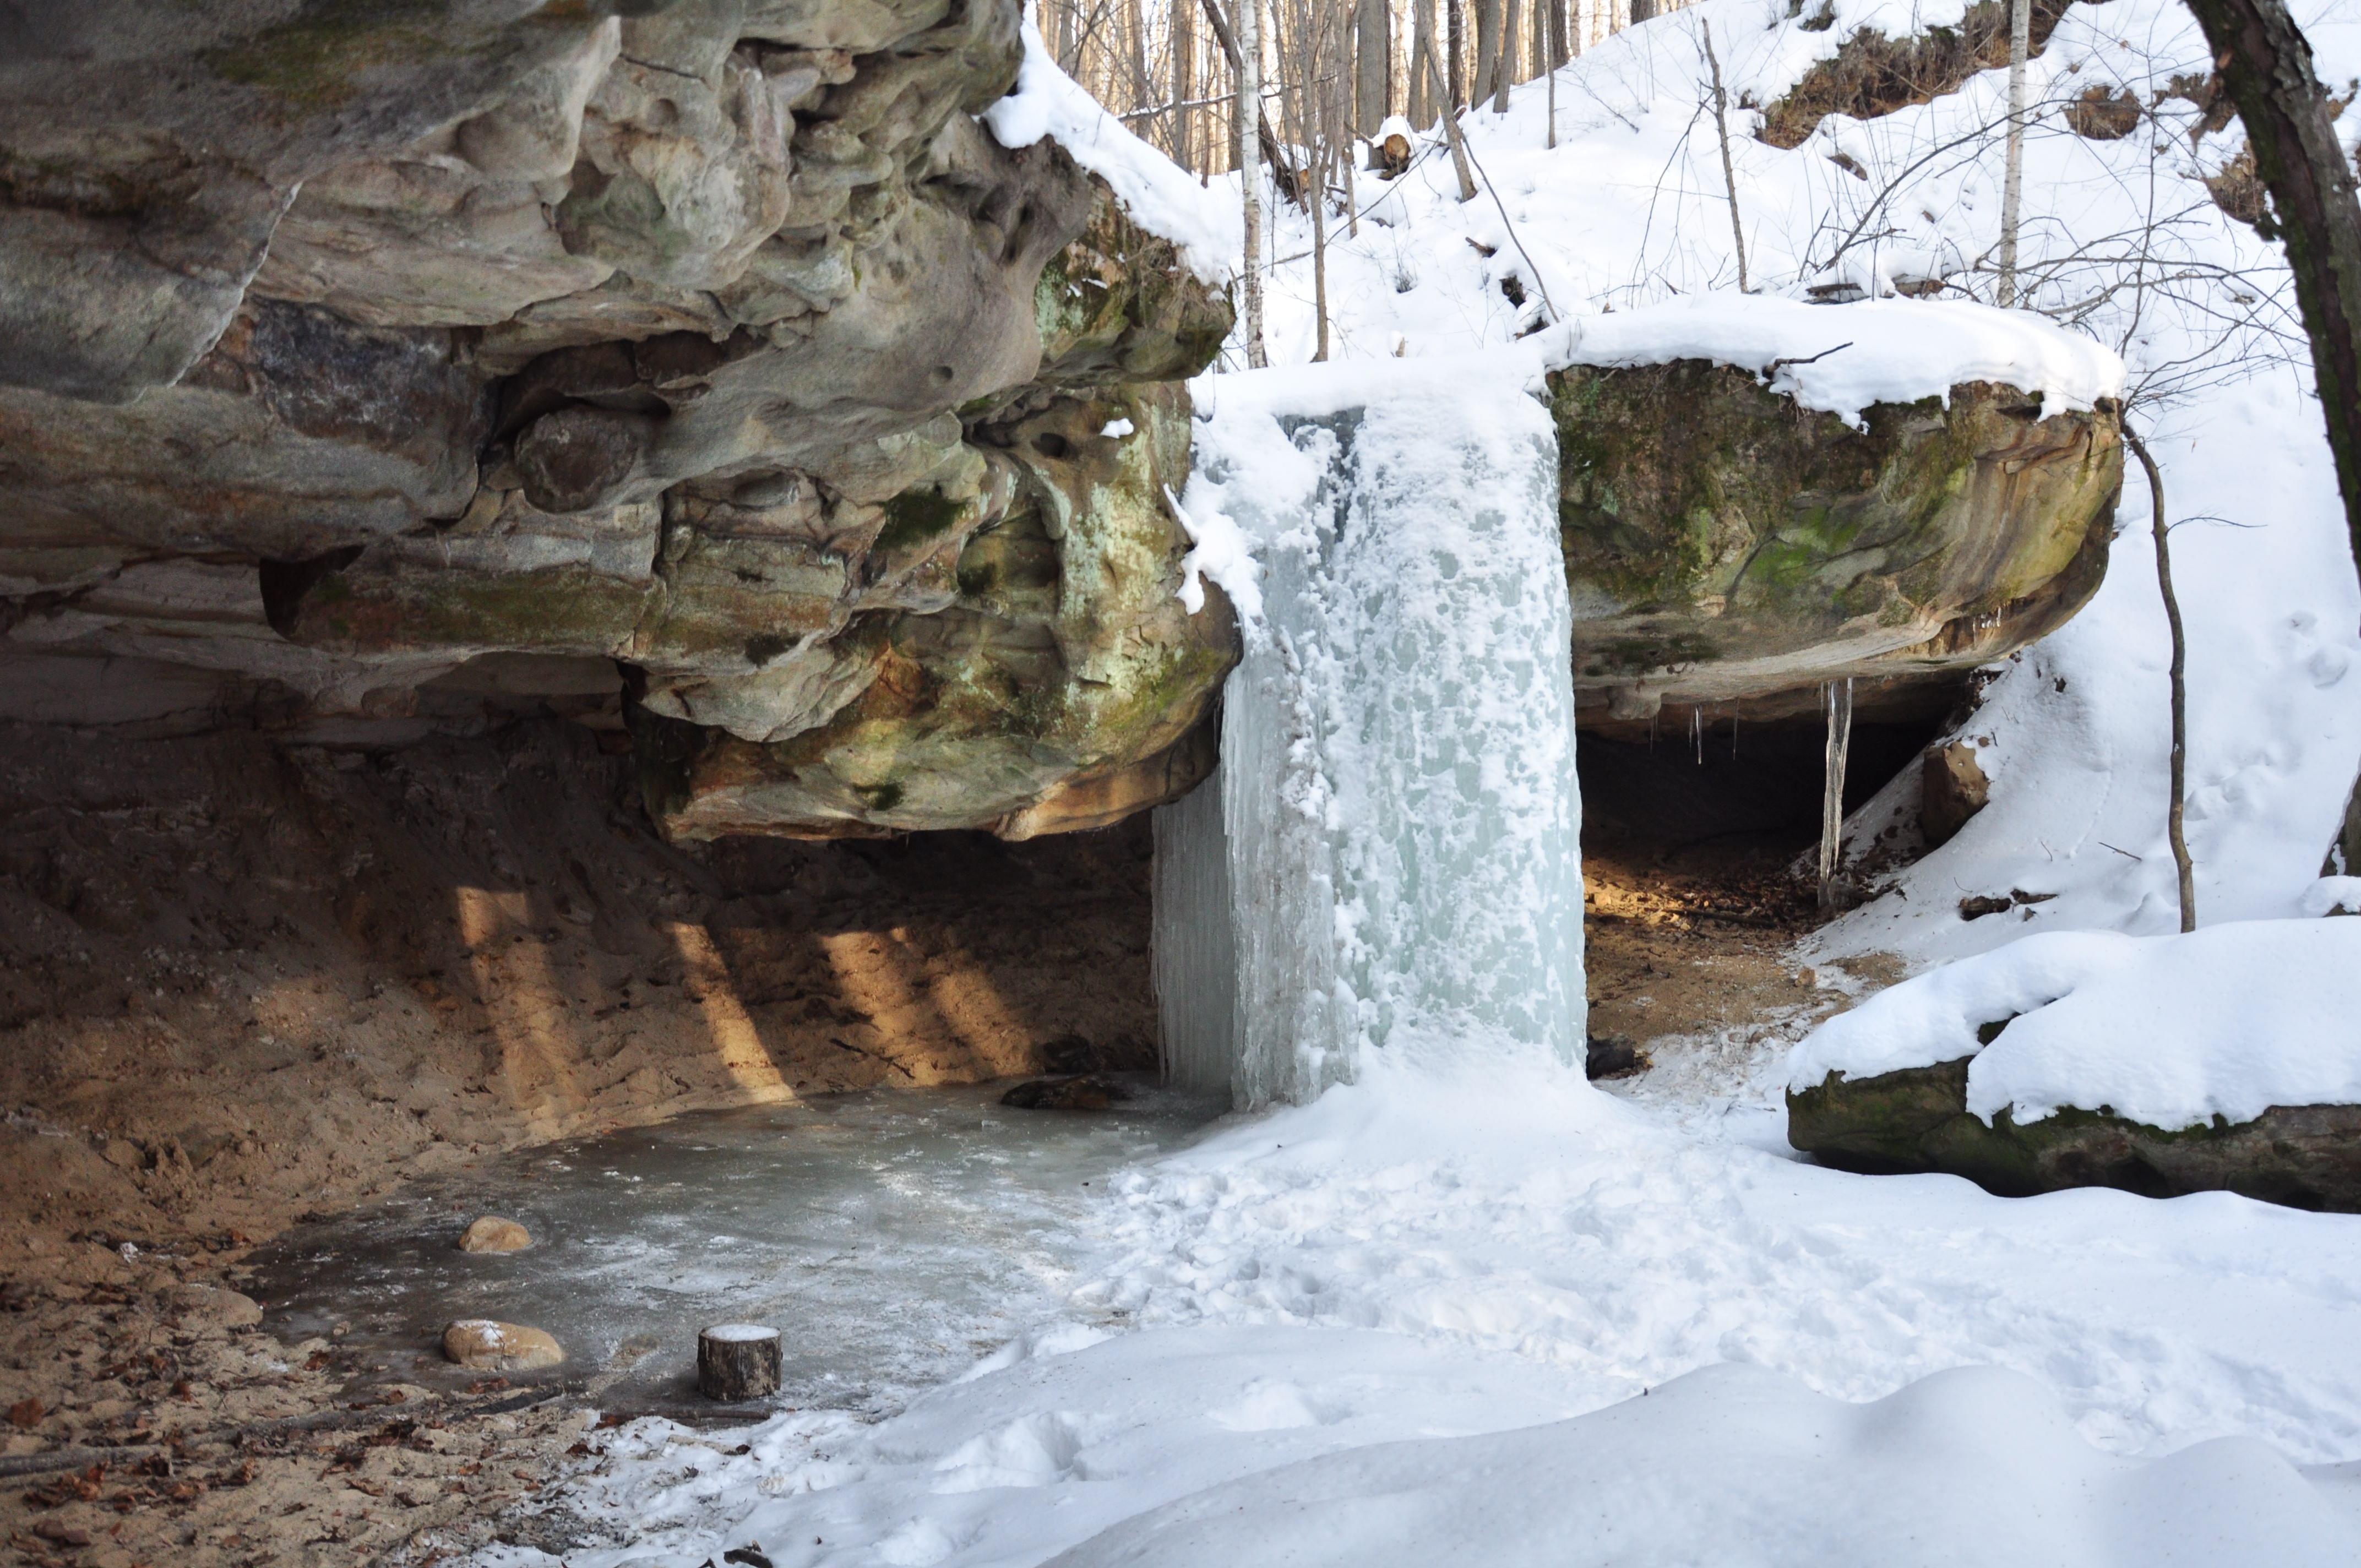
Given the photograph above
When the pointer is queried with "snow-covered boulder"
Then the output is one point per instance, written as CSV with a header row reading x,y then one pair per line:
x,y
2228,1059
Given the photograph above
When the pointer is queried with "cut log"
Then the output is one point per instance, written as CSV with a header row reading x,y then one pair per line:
x,y
738,1361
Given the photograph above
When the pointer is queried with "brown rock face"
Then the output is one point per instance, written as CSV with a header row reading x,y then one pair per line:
x,y
1952,788
717,340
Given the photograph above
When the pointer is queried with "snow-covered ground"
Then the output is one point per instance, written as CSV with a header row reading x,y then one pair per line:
x,y
1493,1316
1415,1259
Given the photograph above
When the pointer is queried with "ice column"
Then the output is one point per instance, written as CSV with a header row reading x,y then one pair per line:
x,y
1397,814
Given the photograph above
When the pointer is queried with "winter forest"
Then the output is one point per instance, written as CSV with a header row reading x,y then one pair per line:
x,y
1180,782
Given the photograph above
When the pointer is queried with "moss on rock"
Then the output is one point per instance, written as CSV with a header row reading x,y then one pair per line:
x,y
1916,1119
1720,541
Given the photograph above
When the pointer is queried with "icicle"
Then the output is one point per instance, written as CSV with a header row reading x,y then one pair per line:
x,y
1838,694
1697,733
1191,948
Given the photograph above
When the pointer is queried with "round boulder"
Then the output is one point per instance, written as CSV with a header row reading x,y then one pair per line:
x,y
490,1233
483,1346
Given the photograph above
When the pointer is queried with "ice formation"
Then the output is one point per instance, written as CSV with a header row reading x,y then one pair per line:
x,y
1394,853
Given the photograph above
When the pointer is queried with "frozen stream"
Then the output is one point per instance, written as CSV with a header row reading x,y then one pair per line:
x,y
892,1236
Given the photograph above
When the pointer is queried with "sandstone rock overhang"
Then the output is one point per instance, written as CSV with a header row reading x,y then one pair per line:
x,y
1760,495
414,367
1722,544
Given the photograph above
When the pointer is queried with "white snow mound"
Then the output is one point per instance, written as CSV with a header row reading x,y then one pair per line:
x,y
1840,358
1735,1464
2171,1031
1156,191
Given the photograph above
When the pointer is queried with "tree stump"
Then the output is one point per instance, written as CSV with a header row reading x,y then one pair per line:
x,y
738,1361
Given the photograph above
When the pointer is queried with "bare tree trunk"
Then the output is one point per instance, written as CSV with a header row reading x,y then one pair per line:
x,y
2020,43
1422,106
1504,64
1373,73
1143,86
1320,242
1642,11
1451,133
2174,824
1550,138
1184,85
1487,49
1249,64
2265,64
1283,173
1456,31
1728,171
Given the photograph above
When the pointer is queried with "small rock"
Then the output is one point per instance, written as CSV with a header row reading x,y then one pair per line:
x,y
62,1532
492,1234
123,1154
1951,788
486,1346
1089,1093
1614,1056
1070,1053
211,1304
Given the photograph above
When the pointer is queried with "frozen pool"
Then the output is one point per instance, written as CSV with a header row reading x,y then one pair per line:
x,y
892,1236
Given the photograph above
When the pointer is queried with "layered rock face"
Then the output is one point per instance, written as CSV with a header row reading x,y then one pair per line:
x,y
1727,550
1916,1119
370,376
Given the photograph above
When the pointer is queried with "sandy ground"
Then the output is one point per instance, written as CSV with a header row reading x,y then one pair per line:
x,y
240,985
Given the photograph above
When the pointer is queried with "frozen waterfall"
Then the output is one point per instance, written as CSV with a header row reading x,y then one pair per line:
x,y
1388,857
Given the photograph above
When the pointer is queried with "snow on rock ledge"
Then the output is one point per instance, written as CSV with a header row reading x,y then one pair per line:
x,y
1840,359
2167,1031
1156,191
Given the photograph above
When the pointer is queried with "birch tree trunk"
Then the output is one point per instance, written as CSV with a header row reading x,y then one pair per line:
x,y
2020,43
1250,29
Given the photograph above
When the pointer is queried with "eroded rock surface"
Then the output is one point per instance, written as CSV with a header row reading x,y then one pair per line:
x,y
2308,1156
1724,544
716,343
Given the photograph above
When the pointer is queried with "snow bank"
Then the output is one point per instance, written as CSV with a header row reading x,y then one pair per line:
x,y
1971,1466
2172,1031
1158,195
1840,358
